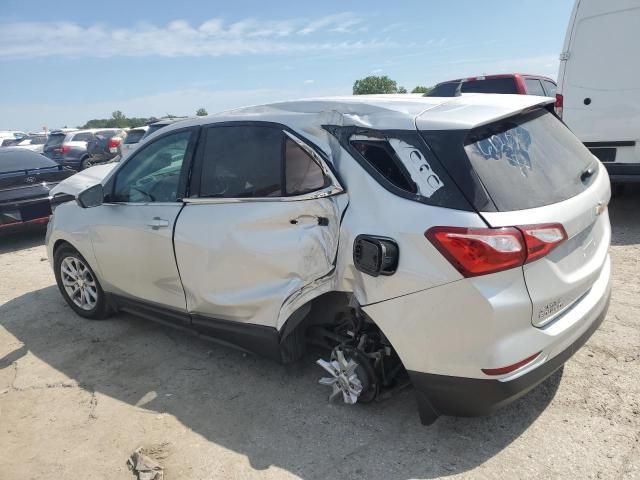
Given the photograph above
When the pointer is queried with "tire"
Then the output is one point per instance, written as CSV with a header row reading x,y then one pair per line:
x,y
86,163
73,274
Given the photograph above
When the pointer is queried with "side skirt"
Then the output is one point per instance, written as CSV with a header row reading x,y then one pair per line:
x,y
251,338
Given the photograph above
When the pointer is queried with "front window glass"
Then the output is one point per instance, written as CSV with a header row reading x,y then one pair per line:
x,y
153,174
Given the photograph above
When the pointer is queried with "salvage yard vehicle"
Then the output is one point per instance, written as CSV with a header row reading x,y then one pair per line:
x,y
460,242
599,94
80,149
132,139
512,83
26,179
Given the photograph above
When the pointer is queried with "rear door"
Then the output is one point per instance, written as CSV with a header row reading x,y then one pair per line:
x,y
259,236
536,173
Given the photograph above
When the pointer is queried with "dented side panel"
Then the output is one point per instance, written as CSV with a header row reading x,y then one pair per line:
x,y
247,261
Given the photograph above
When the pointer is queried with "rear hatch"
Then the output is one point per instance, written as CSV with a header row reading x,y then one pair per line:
x,y
529,169
53,147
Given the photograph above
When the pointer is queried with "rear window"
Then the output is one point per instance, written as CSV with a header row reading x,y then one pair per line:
x,y
133,136
12,160
55,140
529,161
490,85
444,90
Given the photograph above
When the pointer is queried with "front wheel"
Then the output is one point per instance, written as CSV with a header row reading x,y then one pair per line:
x,y
79,285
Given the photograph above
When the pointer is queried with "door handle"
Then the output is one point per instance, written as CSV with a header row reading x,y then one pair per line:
x,y
310,220
157,223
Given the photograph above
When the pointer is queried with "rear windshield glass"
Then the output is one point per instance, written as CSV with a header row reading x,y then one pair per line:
x,y
530,161
12,160
490,85
55,140
444,90
133,136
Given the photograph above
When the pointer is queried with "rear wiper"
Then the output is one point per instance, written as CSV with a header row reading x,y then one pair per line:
x,y
587,174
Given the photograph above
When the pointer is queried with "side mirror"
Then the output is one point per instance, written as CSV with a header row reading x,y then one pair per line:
x,y
91,197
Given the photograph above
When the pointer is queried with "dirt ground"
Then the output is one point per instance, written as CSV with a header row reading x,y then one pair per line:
x,y
77,397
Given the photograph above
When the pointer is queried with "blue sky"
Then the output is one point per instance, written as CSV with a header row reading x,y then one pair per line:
x,y
64,62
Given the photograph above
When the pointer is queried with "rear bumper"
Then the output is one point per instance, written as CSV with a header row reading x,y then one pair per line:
x,y
623,172
468,397
18,213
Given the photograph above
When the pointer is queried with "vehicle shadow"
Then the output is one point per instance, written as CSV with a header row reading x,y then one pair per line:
x,y
625,221
27,237
275,415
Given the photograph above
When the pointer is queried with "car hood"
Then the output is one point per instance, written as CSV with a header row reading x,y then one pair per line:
x,y
83,180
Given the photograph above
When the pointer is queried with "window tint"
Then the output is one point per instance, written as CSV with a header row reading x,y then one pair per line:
x,y
550,88
152,174
242,161
134,136
444,90
529,161
381,156
302,173
490,85
82,137
534,87
55,140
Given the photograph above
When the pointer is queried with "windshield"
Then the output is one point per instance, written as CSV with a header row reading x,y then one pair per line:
x,y
529,161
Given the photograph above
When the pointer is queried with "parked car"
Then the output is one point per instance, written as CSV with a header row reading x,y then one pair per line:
x,y
514,83
80,149
134,136
599,95
9,137
26,179
33,142
462,240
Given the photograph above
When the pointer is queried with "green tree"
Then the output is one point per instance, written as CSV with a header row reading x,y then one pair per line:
x,y
421,89
373,84
202,112
402,90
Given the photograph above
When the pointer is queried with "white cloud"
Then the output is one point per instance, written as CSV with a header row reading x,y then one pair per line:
x,y
213,37
309,82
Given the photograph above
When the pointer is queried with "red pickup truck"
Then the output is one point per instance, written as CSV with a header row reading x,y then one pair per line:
x,y
516,83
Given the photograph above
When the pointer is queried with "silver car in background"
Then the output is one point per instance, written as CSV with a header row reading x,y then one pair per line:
x,y
457,243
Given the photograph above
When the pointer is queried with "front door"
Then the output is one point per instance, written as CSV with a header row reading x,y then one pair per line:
x,y
261,237
132,234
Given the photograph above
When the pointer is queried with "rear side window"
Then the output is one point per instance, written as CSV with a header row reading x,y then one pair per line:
x,y
528,161
242,162
550,88
247,161
534,87
379,153
302,173
490,85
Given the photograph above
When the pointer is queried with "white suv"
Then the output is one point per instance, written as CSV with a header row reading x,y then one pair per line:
x,y
459,243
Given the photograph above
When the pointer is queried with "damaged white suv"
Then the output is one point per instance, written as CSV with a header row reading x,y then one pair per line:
x,y
457,243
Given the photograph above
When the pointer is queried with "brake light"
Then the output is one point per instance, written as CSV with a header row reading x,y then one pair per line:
x,y
541,239
65,149
480,251
114,142
559,104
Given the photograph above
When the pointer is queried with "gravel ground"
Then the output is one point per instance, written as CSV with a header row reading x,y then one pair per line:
x,y
77,397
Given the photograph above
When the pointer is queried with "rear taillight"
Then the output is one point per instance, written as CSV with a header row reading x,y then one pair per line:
x,y
559,104
541,239
114,142
480,251
65,149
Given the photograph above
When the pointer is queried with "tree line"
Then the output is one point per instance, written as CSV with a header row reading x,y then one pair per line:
x,y
365,86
